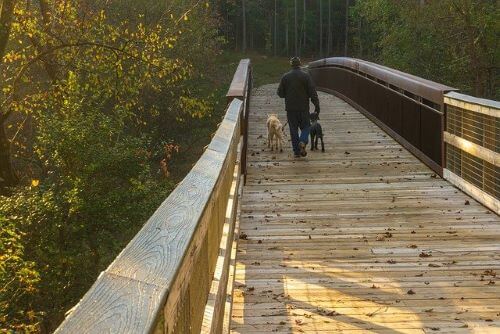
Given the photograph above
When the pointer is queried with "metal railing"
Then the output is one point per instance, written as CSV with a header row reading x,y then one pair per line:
x,y
472,137
408,108
454,134
163,281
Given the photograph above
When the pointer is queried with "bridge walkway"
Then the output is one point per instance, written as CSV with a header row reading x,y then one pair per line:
x,y
363,238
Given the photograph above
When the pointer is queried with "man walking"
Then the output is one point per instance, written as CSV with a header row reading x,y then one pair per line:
x,y
297,87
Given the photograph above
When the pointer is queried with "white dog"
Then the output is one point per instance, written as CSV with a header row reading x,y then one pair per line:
x,y
274,132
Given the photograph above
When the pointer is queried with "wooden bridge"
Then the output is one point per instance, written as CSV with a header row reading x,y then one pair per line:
x,y
366,237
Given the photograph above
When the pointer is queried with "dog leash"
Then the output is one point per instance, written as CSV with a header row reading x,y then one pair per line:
x,y
284,126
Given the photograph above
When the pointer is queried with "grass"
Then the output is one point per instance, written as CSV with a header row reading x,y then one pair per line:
x,y
266,70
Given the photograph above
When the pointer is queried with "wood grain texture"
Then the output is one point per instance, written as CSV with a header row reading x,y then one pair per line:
x,y
482,106
166,268
216,303
484,198
156,251
226,324
363,238
115,304
473,149
240,80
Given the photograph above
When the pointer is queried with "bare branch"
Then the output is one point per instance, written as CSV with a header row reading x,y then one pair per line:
x,y
187,12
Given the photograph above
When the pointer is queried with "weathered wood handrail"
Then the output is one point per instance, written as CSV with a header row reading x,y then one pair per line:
x,y
161,281
472,147
240,88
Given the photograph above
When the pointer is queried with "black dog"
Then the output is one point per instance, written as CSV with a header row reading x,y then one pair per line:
x,y
316,133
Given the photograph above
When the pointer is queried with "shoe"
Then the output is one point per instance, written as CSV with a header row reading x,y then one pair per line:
x,y
296,156
302,147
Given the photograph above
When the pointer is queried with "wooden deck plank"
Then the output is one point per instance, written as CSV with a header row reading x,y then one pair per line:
x,y
363,238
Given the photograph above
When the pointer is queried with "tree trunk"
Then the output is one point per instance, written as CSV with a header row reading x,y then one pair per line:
x,y
329,48
320,28
7,10
49,62
244,43
286,32
304,26
275,44
295,35
346,26
360,36
7,175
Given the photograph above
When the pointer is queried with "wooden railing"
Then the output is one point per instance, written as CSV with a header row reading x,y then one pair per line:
x,y
240,88
454,134
473,147
163,281
407,107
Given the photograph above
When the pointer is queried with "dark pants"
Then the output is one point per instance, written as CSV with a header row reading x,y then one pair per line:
x,y
298,120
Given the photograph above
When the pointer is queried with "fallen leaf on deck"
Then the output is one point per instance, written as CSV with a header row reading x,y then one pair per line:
x,y
490,272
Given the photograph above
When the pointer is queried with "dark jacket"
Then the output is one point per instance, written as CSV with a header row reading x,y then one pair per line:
x,y
297,88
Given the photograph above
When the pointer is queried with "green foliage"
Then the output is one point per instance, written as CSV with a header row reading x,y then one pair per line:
x,y
449,41
454,42
102,89
18,282
261,17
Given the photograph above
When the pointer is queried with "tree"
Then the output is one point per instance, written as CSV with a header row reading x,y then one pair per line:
x,y
7,176
18,281
460,36
275,43
321,28
106,87
330,32
296,34
287,25
346,28
304,23
244,15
